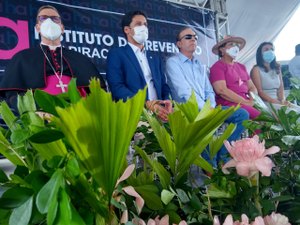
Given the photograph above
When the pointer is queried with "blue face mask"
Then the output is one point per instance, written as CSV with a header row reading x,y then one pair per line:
x,y
268,56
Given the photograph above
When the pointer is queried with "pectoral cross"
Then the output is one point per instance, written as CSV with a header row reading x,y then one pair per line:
x,y
62,86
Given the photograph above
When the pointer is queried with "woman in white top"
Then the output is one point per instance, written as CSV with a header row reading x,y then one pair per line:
x,y
266,76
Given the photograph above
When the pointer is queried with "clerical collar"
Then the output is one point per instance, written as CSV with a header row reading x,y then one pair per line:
x,y
51,47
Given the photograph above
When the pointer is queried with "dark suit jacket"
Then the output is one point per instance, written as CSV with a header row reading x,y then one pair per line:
x,y
125,77
27,69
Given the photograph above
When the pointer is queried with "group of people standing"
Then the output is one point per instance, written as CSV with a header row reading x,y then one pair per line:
x,y
130,68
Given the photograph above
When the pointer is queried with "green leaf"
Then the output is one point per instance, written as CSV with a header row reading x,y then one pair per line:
x,y
49,192
290,139
163,174
16,179
48,102
19,136
190,108
150,194
87,193
72,167
26,103
50,150
195,202
46,136
52,211
217,142
171,207
55,162
276,127
64,213
182,196
76,218
22,214
3,177
31,120
21,171
143,178
164,140
191,132
8,116
118,205
100,220
100,130
166,196
10,152
37,179
268,207
199,161
284,120
283,198
4,215
215,191
73,92
174,217
15,197
260,104
165,177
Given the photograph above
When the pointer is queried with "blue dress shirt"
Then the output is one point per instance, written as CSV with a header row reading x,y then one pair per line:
x,y
185,75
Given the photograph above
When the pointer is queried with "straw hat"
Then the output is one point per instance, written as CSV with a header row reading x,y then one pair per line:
x,y
239,40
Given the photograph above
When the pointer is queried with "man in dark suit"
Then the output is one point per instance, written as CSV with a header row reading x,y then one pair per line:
x,y
49,66
131,68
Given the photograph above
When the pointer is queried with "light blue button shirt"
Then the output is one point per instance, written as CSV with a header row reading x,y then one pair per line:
x,y
185,75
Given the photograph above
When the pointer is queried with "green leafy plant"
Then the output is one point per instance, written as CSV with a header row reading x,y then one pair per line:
x,y
294,94
282,128
182,141
70,152
190,133
67,165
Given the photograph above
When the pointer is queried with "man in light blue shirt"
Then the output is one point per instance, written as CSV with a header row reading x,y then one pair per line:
x,y
186,74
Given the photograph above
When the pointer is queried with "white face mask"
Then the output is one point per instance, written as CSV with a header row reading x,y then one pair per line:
x,y
50,30
140,34
233,51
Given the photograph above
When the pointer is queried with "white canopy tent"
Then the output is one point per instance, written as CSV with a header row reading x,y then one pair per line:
x,y
258,21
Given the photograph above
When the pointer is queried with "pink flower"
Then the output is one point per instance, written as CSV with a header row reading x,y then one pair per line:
x,y
163,221
245,221
276,219
249,157
228,220
258,221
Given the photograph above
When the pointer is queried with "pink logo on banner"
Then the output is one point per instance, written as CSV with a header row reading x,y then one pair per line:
x,y
21,29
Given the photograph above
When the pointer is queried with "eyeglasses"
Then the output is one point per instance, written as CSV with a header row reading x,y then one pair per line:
x,y
189,37
55,19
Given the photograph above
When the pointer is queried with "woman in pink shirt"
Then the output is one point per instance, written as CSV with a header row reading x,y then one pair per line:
x,y
230,79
